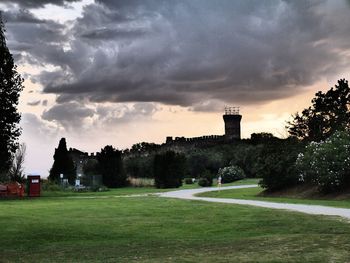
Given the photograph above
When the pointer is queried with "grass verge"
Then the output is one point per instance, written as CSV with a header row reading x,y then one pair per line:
x,y
256,193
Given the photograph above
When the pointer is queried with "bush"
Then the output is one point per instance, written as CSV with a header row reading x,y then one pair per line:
x,y
276,165
327,164
47,185
230,174
169,169
188,181
99,188
204,182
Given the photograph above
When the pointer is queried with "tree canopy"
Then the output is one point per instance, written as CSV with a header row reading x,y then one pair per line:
x,y
10,88
328,113
111,167
63,164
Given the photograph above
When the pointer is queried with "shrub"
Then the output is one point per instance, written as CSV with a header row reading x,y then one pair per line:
x,y
169,169
276,165
327,163
230,174
188,181
204,182
209,176
47,185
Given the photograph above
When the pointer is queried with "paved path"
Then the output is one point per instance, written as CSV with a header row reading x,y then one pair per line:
x,y
308,209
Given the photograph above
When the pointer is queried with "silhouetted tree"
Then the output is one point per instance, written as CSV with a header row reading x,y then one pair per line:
x,y
169,169
329,112
63,164
16,172
10,88
111,167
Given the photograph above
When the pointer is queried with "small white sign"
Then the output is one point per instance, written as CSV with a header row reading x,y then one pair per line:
x,y
35,181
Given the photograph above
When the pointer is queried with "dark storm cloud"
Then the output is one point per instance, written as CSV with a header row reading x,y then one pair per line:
x,y
109,33
69,115
37,3
190,53
21,16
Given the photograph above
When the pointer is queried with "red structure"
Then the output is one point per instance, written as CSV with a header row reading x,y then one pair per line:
x,y
33,185
12,190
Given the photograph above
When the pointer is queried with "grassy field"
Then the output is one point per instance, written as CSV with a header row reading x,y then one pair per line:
x,y
255,194
133,190
154,229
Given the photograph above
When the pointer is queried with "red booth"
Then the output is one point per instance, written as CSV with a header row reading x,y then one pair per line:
x,y
33,185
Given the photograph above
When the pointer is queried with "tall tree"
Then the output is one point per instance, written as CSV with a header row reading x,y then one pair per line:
x,y
10,88
63,164
328,113
16,172
111,167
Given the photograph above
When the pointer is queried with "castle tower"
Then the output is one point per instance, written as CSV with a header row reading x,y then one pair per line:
x,y
232,120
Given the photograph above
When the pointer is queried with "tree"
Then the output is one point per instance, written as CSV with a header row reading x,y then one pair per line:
x,y
169,169
328,113
63,164
111,167
16,172
10,88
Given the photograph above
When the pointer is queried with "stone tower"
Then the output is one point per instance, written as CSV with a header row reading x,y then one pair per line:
x,y
232,120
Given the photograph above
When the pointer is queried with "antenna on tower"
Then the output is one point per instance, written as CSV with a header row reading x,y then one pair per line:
x,y
231,110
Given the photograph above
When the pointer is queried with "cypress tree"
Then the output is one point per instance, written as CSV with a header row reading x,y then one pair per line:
x,y
10,88
63,164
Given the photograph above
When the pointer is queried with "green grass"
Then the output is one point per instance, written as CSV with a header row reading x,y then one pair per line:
x,y
154,229
132,190
110,192
252,194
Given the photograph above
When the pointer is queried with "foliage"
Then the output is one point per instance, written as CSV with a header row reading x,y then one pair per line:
x,y
262,137
111,167
92,176
63,164
188,181
230,174
328,113
139,166
142,148
204,182
246,156
90,167
209,176
327,163
202,160
16,172
276,165
169,169
47,185
10,88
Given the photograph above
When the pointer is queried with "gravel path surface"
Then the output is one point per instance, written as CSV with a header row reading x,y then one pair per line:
x,y
308,209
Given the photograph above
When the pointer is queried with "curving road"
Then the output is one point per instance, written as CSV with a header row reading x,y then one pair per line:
x,y
308,209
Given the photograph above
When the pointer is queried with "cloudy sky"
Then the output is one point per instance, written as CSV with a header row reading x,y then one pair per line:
x,y
119,72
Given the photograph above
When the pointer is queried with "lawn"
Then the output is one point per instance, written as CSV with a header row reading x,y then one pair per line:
x,y
253,194
154,229
133,190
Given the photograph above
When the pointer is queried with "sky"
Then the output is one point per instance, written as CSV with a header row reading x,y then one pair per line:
x,y
103,72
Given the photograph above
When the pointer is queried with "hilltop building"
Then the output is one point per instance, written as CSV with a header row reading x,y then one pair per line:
x,y
232,120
